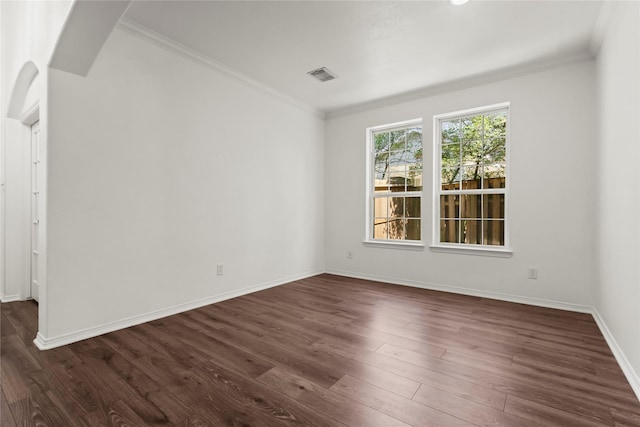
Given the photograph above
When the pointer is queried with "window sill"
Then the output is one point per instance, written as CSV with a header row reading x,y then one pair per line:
x,y
479,251
411,246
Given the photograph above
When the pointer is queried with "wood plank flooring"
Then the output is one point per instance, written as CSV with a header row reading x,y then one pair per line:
x,y
324,351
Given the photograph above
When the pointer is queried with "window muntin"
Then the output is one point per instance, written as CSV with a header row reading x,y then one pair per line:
x,y
395,182
471,183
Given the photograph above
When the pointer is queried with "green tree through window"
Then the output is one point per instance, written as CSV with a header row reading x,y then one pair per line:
x,y
396,184
472,188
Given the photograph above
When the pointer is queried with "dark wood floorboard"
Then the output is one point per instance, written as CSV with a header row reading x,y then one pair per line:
x,y
323,351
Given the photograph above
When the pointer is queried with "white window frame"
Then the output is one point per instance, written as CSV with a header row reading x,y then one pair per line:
x,y
392,243
467,248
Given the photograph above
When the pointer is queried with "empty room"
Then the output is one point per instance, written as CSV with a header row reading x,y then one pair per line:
x,y
320,213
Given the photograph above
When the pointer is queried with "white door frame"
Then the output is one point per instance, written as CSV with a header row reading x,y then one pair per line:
x,y
37,171
23,111
30,118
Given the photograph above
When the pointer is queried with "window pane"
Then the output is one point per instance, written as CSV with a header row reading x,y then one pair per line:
x,y
450,231
414,179
450,131
400,157
396,163
396,207
381,172
396,229
380,206
450,206
471,177
381,185
494,232
493,206
450,179
413,229
495,125
471,206
472,153
398,140
472,232
381,163
397,168
494,176
495,151
414,139
414,155
380,227
397,184
473,159
450,155
412,207
472,128
380,142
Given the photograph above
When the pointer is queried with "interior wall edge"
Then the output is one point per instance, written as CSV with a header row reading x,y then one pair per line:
x,y
539,302
47,343
630,373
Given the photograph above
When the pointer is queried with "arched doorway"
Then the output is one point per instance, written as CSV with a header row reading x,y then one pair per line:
x,y
23,204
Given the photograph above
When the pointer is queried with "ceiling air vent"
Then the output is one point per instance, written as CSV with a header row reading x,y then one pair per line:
x,y
322,74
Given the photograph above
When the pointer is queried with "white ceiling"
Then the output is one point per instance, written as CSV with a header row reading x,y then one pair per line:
x,y
378,49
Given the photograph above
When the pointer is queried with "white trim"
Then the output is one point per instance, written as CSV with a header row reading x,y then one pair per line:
x,y
395,244
395,126
144,33
370,194
11,298
30,115
482,250
464,83
26,76
578,308
460,114
465,248
630,373
44,343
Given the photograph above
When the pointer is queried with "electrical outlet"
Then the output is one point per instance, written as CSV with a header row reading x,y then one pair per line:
x,y
349,254
533,273
219,269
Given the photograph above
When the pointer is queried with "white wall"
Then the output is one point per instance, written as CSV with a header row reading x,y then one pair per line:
x,y
28,32
618,291
551,201
160,168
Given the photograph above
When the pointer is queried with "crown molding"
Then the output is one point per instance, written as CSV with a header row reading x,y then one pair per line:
x,y
602,24
144,33
465,83
530,67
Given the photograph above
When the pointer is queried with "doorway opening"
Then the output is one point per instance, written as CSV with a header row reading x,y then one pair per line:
x,y
37,184
23,169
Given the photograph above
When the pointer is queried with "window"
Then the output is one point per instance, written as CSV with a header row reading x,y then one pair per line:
x,y
395,183
471,178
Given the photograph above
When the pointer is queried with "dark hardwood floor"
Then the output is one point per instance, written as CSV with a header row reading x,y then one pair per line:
x,y
325,351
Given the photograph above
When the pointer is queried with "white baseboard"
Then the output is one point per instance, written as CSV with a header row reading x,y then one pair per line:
x,y
10,298
45,343
468,291
627,369
632,376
